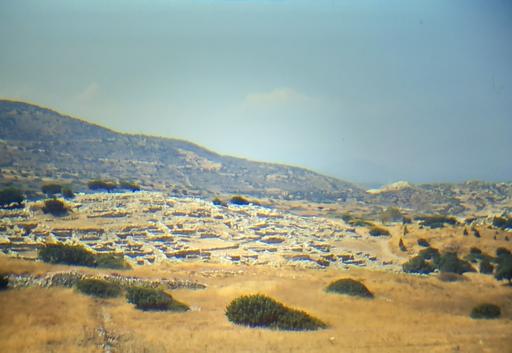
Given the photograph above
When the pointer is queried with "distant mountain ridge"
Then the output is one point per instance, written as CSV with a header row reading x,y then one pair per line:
x,y
38,144
41,143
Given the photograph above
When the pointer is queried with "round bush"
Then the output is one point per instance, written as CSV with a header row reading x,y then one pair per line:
x,y
149,299
261,311
349,287
98,288
419,265
486,311
55,207
450,262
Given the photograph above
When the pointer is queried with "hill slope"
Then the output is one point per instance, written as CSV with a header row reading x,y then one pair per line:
x,y
41,143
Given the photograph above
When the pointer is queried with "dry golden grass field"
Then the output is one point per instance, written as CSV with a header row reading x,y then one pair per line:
x,y
408,314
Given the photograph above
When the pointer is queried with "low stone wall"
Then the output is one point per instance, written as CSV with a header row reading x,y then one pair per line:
x,y
70,279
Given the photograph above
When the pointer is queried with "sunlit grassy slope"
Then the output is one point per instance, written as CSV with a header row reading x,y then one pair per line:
x,y
408,314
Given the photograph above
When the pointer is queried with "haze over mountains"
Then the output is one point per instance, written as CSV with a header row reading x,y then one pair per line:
x,y
39,144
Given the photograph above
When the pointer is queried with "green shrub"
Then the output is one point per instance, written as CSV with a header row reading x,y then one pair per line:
x,y
67,192
423,242
359,222
504,268
150,299
391,214
110,260
218,202
129,185
11,196
4,281
239,200
378,231
77,255
55,207
349,287
501,222
486,311
436,221
51,189
98,288
418,265
502,252
102,185
261,311
450,262
486,267
67,254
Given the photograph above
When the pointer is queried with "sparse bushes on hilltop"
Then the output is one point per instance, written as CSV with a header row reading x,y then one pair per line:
x,y
11,196
55,207
262,311
77,255
98,288
150,299
349,286
378,231
486,311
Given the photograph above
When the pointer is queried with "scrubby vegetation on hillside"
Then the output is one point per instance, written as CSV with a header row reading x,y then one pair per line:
x,y
262,311
436,221
349,286
239,200
504,266
11,197
129,185
150,299
378,231
98,288
55,207
486,311
79,256
105,185
429,259
502,222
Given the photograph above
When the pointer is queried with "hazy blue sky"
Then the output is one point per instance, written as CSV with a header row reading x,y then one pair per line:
x,y
362,90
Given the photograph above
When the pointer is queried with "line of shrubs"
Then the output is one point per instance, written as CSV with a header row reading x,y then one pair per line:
x,y
146,299
77,255
430,259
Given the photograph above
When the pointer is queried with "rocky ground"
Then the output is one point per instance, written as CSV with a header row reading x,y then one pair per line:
x,y
150,228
